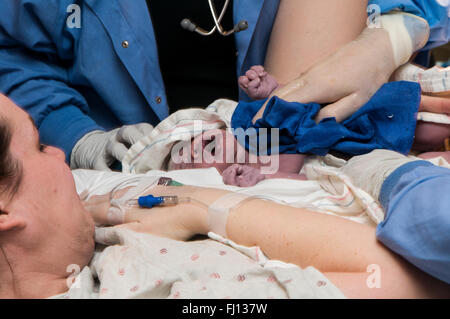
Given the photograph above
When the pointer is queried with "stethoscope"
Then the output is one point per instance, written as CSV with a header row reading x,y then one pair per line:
x,y
190,26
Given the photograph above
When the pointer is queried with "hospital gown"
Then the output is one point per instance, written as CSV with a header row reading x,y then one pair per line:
x,y
134,265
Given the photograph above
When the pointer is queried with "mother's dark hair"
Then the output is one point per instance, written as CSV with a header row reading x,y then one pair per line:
x,y
10,168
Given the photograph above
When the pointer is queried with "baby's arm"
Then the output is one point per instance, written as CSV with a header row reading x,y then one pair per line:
x,y
288,166
246,176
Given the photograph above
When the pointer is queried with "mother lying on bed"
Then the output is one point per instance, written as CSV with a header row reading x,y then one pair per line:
x,y
44,229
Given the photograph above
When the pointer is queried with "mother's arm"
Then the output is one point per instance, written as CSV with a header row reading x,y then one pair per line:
x,y
341,249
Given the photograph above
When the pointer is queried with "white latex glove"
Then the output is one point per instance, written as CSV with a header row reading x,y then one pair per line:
x,y
98,150
350,77
369,171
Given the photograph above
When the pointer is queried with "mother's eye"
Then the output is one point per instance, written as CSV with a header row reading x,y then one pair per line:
x,y
42,147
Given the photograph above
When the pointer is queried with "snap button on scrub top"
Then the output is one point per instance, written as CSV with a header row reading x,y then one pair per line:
x,y
125,44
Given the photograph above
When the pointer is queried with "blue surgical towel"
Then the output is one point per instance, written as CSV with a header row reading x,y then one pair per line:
x,y
387,121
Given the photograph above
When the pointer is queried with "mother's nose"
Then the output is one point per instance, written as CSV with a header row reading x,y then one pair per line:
x,y
54,151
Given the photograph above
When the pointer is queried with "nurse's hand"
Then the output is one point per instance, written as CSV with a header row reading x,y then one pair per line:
x,y
347,79
99,150
369,171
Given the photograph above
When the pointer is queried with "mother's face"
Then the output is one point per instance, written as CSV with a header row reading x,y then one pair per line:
x,y
47,201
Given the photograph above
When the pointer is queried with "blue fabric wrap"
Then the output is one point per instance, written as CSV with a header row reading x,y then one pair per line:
x,y
387,121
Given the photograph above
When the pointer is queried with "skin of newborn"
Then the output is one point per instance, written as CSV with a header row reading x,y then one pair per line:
x,y
430,136
258,85
220,149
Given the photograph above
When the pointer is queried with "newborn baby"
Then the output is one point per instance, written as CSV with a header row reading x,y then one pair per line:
x,y
220,149
429,137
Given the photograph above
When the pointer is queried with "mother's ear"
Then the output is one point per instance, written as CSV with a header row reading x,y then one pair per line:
x,y
9,222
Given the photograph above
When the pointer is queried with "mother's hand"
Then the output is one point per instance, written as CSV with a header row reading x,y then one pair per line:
x,y
179,222
347,79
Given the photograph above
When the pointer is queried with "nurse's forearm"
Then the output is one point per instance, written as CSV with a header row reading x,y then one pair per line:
x,y
306,32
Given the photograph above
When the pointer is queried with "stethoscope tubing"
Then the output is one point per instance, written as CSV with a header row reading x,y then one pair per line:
x,y
188,25
217,21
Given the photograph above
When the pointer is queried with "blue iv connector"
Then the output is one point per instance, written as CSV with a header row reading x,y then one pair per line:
x,y
150,201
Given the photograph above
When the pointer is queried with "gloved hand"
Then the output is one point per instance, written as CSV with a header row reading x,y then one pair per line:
x,y
351,76
98,150
369,171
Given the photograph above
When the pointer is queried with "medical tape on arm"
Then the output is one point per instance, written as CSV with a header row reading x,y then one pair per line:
x,y
408,33
219,210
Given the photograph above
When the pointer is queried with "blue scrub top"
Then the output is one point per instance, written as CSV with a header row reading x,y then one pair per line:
x,y
76,80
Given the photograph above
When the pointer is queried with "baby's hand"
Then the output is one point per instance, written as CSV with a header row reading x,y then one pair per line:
x,y
257,83
242,175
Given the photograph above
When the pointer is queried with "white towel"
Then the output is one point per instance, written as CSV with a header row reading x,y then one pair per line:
x,y
434,80
151,152
431,80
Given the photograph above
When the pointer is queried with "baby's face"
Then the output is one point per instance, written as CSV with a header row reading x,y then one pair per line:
x,y
213,148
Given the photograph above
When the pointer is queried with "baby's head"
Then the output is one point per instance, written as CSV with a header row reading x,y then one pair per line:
x,y
213,148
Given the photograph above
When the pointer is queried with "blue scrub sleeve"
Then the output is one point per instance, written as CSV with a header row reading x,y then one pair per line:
x,y
416,198
435,13
33,55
